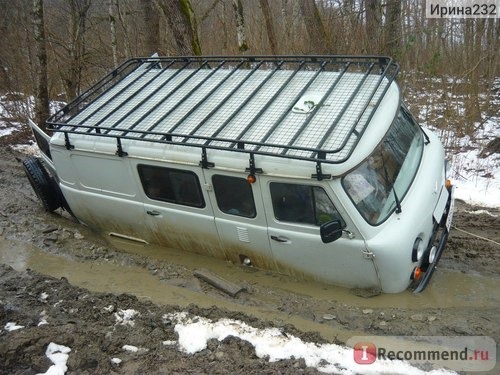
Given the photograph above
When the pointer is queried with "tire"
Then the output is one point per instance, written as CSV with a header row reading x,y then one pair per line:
x,y
42,183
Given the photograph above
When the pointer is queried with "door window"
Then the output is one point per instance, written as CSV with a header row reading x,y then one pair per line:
x,y
234,195
171,185
303,204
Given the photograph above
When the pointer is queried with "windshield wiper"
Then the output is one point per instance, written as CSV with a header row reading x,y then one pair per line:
x,y
396,199
386,177
427,140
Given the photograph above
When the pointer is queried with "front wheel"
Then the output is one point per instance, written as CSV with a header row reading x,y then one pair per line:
x,y
42,183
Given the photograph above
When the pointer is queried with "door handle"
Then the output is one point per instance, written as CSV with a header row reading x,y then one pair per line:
x,y
153,213
280,239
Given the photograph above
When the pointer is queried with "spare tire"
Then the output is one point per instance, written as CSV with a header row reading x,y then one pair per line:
x,y
42,183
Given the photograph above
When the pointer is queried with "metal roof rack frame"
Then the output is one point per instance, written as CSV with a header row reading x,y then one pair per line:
x,y
313,108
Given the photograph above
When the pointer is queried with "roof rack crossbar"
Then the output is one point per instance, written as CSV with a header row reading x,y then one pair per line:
x,y
245,102
383,74
223,101
151,94
109,114
197,105
292,104
313,113
115,96
269,101
344,108
76,102
178,104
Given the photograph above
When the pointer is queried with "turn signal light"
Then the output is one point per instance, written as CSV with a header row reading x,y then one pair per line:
x,y
447,184
417,273
251,179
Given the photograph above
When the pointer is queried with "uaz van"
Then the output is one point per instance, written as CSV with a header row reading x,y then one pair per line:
x,y
307,165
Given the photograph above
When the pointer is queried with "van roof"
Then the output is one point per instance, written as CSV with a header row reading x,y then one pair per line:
x,y
304,107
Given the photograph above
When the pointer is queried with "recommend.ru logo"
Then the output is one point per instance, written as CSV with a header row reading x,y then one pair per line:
x,y
459,353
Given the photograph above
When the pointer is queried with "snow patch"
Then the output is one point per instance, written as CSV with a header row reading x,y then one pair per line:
x,y
12,326
126,317
58,354
271,343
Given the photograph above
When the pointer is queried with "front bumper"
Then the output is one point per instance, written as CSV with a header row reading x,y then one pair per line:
x,y
437,243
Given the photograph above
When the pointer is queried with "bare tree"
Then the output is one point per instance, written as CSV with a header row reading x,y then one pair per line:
x,y
182,22
373,11
77,47
41,91
266,11
393,29
151,19
240,26
318,38
112,26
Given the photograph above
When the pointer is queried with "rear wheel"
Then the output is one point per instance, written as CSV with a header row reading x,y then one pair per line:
x,y
42,183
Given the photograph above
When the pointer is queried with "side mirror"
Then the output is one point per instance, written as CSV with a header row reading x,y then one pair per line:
x,y
330,231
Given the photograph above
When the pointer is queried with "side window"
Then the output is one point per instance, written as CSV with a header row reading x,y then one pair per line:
x,y
171,185
234,195
302,204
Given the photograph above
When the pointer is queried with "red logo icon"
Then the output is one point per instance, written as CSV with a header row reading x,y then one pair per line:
x,y
365,353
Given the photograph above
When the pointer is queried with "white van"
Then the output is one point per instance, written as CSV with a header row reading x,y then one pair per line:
x,y
306,165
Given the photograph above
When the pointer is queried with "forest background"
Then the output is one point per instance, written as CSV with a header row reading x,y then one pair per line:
x,y
52,50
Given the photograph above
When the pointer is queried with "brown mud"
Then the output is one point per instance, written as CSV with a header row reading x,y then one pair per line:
x,y
84,274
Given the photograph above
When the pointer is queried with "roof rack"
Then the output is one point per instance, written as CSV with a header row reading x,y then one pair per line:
x,y
312,108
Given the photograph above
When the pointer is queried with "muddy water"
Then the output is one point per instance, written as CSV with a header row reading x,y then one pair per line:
x,y
448,289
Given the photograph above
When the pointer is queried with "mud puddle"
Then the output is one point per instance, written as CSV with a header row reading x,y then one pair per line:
x,y
448,289
109,277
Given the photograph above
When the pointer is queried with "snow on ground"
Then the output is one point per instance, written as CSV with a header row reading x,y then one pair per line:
x,y
273,344
476,176
58,354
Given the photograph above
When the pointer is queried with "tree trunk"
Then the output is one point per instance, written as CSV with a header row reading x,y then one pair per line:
x,y
318,38
41,91
373,13
266,11
151,20
240,26
77,49
125,27
112,26
393,29
182,22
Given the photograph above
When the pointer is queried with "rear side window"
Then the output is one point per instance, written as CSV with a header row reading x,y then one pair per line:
x,y
171,185
234,195
303,204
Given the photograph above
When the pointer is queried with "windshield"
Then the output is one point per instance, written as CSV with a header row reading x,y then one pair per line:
x,y
386,175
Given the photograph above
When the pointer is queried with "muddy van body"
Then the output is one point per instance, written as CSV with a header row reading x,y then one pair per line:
x,y
310,166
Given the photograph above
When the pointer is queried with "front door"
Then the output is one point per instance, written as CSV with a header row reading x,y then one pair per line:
x,y
294,213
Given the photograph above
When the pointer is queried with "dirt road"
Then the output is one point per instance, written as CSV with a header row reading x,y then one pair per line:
x,y
54,267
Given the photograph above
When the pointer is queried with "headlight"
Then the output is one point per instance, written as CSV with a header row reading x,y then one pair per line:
x,y
418,250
